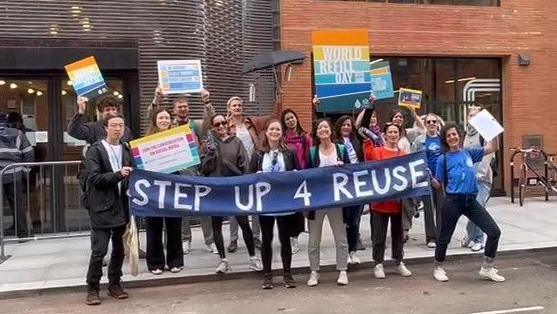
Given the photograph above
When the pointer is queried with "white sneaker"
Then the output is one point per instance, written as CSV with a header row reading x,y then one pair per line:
x,y
255,263
431,244
294,245
465,241
212,248
471,244
186,246
353,258
175,269
477,247
378,271
342,278
490,273
440,275
403,270
223,267
313,279
156,271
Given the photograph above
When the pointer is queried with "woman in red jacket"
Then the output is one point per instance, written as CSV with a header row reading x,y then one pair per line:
x,y
384,211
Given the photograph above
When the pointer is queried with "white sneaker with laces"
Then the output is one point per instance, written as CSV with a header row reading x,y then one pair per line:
x,y
223,267
403,270
477,247
313,279
490,273
378,271
255,263
353,258
431,244
294,245
342,278
156,271
175,269
440,275
186,246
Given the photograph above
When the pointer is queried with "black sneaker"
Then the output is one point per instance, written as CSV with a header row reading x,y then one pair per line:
x,y
92,297
267,282
233,247
117,292
289,281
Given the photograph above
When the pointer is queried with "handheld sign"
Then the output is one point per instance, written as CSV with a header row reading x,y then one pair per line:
x,y
341,69
410,98
167,152
381,80
486,125
86,78
180,76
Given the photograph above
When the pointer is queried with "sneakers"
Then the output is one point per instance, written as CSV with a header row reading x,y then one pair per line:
x,y
313,279
465,241
490,273
175,269
212,248
477,247
156,271
223,267
267,282
255,263
233,246
295,246
92,297
378,271
403,271
257,243
353,258
186,246
289,281
342,278
440,275
117,292
431,244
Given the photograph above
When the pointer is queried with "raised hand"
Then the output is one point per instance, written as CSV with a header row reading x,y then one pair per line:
x,y
81,104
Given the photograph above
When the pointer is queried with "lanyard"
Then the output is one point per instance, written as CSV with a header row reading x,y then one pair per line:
x,y
115,160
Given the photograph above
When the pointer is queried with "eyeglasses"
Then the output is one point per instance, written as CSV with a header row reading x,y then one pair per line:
x,y
431,122
217,124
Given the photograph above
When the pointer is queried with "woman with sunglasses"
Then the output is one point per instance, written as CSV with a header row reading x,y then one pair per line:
x,y
161,120
225,156
409,134
300,143
347,135
326,152
391,210
455,169
274,156
431,144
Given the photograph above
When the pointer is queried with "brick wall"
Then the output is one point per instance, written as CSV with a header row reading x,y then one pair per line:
x,y
517,26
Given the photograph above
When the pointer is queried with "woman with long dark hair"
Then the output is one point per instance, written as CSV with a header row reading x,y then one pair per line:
x,y
408,135
274,156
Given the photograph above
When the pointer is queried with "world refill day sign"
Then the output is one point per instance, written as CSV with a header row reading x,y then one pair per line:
x,y
341,69
164,195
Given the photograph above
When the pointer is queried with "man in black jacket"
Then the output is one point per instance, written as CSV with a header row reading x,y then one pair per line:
x,y
108,163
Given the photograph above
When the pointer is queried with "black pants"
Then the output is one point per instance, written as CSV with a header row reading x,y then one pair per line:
x,y
267,224
243,222
155,249
353,227
99,247
380,223
15,195
432,214
456,205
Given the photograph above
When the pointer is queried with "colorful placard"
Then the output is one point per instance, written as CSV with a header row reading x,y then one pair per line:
x,y
167,152
341,69
410,98
381,80
86,78
180,76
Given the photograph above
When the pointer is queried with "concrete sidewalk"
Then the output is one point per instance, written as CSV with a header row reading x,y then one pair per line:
x,y
62,263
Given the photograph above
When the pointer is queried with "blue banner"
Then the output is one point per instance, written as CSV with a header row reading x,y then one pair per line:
x,y
158,194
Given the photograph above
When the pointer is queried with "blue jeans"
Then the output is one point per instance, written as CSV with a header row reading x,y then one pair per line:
x,y
457,205
473,232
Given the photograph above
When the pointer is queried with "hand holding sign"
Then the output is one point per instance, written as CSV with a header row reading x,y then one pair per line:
x,y
486,125
81,104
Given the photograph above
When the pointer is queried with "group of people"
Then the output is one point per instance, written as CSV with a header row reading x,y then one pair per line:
x,y
233,144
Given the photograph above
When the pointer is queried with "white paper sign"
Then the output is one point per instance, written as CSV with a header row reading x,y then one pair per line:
x,y
486,125
180,76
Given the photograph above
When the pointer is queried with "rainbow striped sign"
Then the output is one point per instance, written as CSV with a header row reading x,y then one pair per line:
x,y
86,78
167,152
341,69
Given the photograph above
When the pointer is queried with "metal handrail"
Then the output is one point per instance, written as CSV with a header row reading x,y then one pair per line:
x,y
13,166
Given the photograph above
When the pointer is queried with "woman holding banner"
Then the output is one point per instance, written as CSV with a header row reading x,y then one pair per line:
x,y
225,156
347,135
300,142
274,156
161,120
455,169
326,152
391,210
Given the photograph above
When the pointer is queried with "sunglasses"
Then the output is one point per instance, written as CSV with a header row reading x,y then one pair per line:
x,y
222,123
431,122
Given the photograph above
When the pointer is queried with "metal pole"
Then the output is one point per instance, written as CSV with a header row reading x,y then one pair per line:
x,y
2,252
